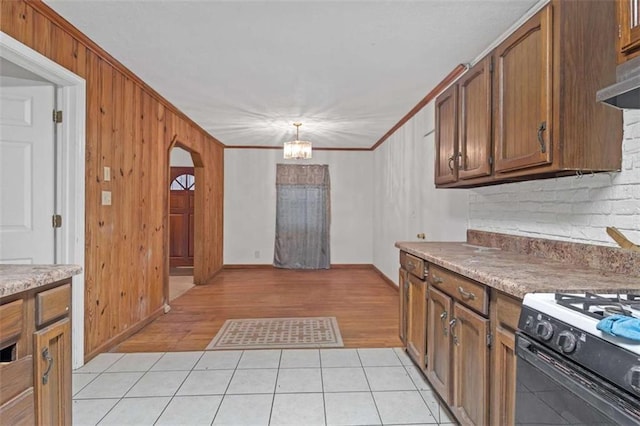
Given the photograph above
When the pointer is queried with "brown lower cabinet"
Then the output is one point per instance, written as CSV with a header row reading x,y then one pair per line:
x,y
35,342
439,344
413,307
403,286
470,340
470,366
416,320
504,321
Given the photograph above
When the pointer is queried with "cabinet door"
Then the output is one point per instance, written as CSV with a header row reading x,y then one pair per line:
x,y
471,366
523,96
52,352
446,170
439,344
629,22
417,320
503,385
475,121
403,286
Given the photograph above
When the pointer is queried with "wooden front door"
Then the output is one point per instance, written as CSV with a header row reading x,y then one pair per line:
x,y
181,217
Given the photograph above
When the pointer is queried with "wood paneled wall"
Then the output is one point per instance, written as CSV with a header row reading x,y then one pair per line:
x,y
131,129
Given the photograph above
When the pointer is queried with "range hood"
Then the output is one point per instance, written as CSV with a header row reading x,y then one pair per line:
x,y
625,93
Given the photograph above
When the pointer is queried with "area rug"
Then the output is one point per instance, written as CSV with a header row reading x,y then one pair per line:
x,y
278,333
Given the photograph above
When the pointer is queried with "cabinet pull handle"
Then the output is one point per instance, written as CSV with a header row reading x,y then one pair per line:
x,y
443,319
49,359
467,295
437,279
410,266
542,128
451,162
452,324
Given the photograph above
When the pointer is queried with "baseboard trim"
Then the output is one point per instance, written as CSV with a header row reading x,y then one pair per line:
x,y
269,266
247,266
116,340
385,278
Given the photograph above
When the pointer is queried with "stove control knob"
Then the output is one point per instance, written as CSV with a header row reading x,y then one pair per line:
x,y
544,329
633,378
567,342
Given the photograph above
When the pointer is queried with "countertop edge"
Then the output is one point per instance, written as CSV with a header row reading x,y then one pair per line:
x,y
16,279
513,287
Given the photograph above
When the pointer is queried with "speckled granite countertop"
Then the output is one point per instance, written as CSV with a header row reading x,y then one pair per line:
x,y
518,274
17,278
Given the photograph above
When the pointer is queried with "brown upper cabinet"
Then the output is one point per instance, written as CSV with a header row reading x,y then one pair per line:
x,y
446,136
463,133
528,109
523,96
628,28
474,129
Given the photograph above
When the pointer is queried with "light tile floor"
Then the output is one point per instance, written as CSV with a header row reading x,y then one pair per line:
x,y
259,387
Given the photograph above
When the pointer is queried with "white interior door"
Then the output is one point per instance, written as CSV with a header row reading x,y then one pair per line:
x,y
27,186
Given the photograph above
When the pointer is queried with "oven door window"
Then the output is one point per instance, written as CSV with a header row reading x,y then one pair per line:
x,y
552,391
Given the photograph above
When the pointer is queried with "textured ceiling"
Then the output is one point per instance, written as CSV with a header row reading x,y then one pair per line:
x,y
246,70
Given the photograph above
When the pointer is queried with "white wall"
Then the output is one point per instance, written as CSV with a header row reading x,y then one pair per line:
x,y
180,158
406,201
250,204
569,208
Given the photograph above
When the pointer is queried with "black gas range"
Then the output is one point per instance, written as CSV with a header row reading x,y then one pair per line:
x,y
569,371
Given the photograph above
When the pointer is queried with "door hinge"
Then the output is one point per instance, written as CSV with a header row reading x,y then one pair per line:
x,y
489,340
490,159
57,116
491,66
56,221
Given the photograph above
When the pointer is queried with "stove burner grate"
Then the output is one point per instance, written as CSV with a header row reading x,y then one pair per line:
x,y
606,305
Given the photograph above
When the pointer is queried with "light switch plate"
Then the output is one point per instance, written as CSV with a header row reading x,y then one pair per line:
x,y
106,198
106,173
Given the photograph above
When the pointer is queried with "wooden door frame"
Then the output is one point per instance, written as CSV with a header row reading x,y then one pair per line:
x,y
70,191
198,216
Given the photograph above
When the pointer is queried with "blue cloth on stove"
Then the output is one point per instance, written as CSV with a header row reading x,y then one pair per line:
x,y
620,325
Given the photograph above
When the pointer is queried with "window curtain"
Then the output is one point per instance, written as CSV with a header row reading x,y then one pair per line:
x,y
302,217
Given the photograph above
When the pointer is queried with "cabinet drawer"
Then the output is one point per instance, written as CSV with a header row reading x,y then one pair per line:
x,y
507,310
53,304
19,411
413,265
10,321
17,376
470,293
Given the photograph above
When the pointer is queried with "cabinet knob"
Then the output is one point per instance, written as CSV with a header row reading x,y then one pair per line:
x,y
443,319
47,357
541,129
467,295
452,324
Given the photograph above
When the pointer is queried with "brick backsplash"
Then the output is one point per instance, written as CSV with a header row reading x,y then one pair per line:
x,y
574,208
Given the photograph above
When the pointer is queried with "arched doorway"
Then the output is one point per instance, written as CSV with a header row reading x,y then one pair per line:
x,y
181,230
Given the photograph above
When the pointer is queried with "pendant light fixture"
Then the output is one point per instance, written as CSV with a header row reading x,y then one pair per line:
x,y
298,150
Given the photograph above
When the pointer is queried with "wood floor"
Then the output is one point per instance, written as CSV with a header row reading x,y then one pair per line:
x,y
365,306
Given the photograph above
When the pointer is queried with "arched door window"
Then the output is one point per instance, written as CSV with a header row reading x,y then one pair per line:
x,y
184,182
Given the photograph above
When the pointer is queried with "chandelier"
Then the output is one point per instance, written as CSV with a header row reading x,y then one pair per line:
x,y
297,149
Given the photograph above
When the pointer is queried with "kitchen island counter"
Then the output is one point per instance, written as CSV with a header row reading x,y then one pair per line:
x,y
518,274
18,278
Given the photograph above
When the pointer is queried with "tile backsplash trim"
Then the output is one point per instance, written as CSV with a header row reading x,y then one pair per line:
x,y
604,258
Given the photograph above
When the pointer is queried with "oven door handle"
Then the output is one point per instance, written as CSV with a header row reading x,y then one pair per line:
x,y
573,378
